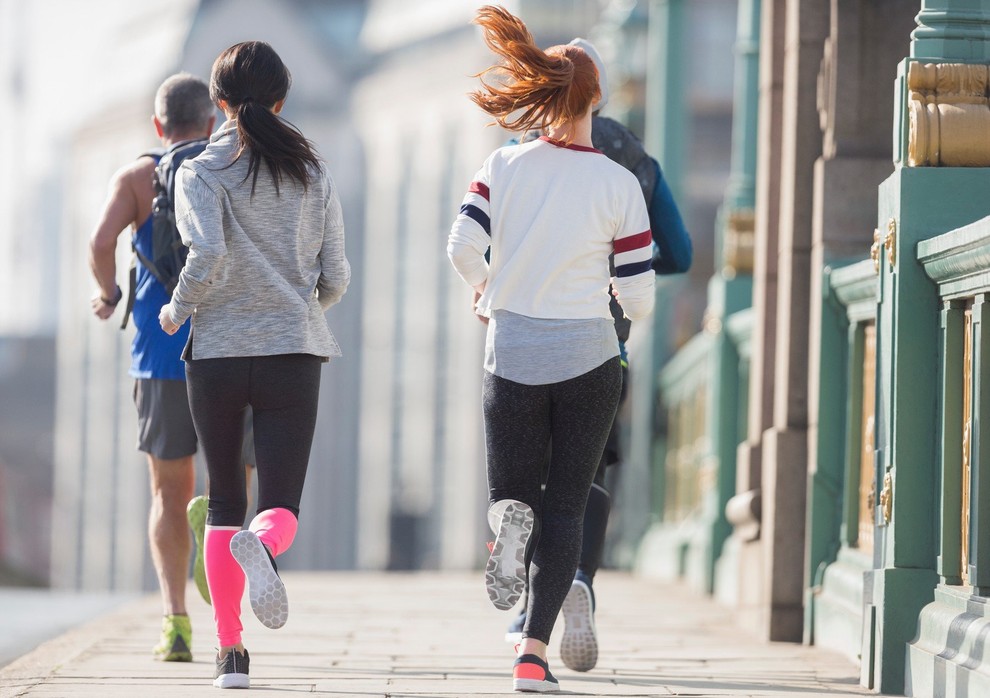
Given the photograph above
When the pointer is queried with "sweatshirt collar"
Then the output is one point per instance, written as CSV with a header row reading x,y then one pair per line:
x,y
226,128
570,146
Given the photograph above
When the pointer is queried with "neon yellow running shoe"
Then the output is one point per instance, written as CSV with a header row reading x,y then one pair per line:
x,y
175,644
196,514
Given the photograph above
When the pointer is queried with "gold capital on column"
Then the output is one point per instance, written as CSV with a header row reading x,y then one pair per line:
x,y
949,115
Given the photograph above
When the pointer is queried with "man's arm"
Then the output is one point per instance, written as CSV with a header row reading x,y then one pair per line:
x,y
669,231
119,211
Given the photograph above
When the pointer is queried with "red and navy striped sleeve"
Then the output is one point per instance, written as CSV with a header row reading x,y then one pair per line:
x,y
633,254
470,235
633,251
477,206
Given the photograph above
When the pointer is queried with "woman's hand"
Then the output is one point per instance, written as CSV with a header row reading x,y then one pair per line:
x,y
165,319
474,305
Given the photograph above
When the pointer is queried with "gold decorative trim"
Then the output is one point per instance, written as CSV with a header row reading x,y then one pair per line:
x,y
739,242
875,250
890,242
887,498
949,115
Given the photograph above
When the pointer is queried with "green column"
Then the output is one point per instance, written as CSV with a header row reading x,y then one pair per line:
x,y
731,288
922,202
741,192
952,30
666,133
665,137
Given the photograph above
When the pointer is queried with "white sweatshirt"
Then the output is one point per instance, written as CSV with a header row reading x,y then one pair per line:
x,y
552,215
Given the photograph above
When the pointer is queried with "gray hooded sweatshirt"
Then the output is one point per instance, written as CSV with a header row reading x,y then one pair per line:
x,y
262,268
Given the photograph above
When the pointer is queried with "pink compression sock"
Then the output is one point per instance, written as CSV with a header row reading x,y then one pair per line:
x,y
226,580
276,528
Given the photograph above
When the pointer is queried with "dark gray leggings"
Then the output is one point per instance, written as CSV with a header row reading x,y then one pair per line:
x,y
283,392
520,421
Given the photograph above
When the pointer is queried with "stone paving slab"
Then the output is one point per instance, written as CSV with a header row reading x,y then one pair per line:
x,y
432,634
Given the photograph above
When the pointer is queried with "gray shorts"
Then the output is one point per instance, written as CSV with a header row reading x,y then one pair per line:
x,y
165,426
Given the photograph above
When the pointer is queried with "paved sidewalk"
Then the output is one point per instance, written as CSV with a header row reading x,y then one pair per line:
x,y
392,635
32,615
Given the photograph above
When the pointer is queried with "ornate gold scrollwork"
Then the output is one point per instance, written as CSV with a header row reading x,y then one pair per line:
x,y
875,250
890,241
887,497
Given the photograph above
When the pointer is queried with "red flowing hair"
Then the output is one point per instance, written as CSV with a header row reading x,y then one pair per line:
x,y
551,87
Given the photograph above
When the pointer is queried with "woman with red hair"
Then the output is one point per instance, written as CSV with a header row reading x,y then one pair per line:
x,y
551,212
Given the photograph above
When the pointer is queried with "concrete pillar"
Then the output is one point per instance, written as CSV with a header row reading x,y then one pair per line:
x,y
745,509
785,442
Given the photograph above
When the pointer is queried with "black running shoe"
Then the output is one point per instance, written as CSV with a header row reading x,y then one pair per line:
x,y
232,670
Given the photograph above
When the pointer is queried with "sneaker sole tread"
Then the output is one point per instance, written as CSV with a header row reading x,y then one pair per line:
x,y
505,573
265,590
579,643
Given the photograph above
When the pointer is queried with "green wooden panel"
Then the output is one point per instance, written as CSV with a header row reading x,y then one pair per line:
x,y
953,321
923,203
979,519
825,485
853,448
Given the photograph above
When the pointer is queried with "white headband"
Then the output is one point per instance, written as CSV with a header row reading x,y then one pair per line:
x,y
592,52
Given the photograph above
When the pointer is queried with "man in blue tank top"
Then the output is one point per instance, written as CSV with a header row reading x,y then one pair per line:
x,y
183,112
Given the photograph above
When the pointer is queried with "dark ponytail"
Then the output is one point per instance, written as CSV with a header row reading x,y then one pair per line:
x,y
251,78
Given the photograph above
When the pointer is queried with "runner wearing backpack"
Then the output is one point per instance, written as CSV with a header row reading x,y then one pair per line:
x,y
184,116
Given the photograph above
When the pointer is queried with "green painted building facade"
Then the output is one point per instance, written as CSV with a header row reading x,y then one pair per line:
x,y
824,474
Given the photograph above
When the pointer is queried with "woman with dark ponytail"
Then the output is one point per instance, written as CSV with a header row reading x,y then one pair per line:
x,y
550,212
262,219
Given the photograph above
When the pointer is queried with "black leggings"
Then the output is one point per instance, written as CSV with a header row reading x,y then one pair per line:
x,y
283,392
520,421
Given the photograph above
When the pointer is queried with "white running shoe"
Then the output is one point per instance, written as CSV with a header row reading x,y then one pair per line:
x,y
265,589
579,644
505,574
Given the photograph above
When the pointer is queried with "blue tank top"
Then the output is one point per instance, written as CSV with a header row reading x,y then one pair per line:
x,y
154,354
